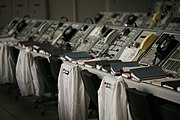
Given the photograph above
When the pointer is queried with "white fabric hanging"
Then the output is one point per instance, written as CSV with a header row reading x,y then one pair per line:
x,y
37,80
28,78
72,98
7,69
112,100
23,73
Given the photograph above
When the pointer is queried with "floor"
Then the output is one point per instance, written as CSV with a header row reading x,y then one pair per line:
x,y
21,109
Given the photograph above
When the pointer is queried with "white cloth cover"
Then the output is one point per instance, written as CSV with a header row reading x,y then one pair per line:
x,y
72,98
38,81
28,78
8,67
112,100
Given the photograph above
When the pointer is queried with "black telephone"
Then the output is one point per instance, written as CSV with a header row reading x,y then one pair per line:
x,y
16,27
84,28
21,25
104,29
69,33
97,17
165,45
131,20
165,9
150,12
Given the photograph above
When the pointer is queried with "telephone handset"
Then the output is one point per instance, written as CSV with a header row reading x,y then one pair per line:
x,y
84,28
42,27
21,25
125,32
154,19
104,28
68,33
110,36
156,16
166,46
98,17
145,44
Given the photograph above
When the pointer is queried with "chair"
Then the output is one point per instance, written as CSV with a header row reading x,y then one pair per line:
x,y
170,112
91,83
50,84
13,87
143,106
55,65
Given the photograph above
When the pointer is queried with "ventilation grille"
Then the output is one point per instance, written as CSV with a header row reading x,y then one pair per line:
x,y
172,65
176,54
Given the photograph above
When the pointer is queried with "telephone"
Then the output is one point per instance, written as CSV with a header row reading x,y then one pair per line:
x,y
138,46
155,17
104,28
103,43
150,12
21,25
97,17
145,44
109,36
84,28
43,26
148,40
131,20
18,27
165,46
126,31
122,39
69,33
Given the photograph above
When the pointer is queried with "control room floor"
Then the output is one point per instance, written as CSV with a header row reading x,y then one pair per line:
x,y
21,109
